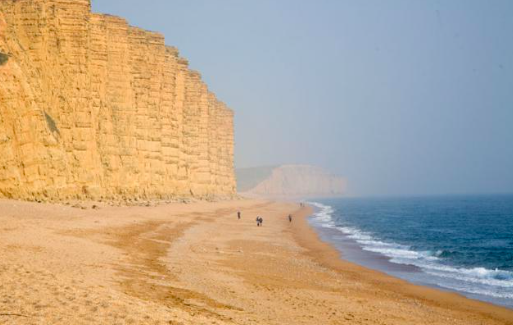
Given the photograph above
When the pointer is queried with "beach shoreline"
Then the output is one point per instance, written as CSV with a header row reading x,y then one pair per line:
x,y
326,254
198,263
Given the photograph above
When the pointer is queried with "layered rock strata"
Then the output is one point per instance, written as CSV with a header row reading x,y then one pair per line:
x,y
91,107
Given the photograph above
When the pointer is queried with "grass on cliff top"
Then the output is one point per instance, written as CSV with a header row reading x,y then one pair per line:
x,y
3,58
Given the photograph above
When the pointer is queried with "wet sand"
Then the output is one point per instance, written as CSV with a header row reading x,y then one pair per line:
x,y
198,264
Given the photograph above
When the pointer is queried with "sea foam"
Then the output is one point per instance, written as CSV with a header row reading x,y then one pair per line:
x,y
479,280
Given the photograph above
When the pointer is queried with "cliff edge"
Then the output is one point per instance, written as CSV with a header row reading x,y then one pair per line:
x,y
91,107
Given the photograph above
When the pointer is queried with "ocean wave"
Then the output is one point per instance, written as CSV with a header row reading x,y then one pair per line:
x,y
477,280
478,275
477,291
324,215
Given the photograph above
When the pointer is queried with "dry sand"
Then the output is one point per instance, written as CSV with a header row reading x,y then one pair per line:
x,y
197,264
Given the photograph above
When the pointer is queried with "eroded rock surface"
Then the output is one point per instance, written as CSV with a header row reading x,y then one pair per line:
x,y
91,107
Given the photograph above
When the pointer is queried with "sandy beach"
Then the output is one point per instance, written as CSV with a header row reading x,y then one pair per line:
x,y
197,263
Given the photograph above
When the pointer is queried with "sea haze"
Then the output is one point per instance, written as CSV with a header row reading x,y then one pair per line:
x,y
457,243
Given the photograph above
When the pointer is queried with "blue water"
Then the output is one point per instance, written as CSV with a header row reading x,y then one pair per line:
x,y
458,243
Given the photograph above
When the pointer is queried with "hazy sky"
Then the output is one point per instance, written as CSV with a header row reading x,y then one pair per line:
x,y
401,97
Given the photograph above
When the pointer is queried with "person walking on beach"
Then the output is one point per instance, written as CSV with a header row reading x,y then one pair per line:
x,y
261,221
238,215
290,218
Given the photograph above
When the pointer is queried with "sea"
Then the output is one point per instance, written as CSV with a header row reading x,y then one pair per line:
x,y
455,243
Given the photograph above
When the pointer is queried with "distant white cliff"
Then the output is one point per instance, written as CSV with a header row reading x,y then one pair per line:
x,y
289,181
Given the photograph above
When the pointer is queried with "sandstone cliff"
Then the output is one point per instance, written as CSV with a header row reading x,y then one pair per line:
x,y
91,107
289,181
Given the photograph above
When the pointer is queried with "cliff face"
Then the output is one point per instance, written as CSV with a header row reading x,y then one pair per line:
x,y
289,181
91,107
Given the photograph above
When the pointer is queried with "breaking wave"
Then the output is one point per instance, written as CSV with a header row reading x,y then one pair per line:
x,y
478,280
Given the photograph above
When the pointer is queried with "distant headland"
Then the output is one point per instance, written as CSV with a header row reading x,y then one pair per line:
x,y
289,182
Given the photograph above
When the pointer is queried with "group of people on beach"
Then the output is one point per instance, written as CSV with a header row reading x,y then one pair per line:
x,y
260,220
